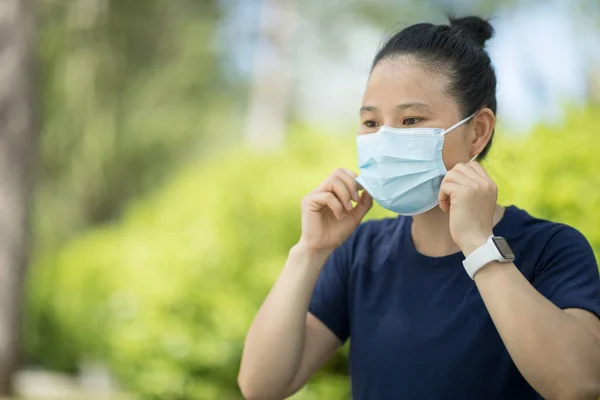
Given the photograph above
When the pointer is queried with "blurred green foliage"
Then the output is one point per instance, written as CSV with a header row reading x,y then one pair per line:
x,y
152,256
553,172
165,296
122,86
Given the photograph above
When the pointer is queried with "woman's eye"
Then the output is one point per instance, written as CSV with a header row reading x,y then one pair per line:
x,y
410,120
371,124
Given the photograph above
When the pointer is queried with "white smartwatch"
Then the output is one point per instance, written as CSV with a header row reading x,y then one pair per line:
x,y
495,249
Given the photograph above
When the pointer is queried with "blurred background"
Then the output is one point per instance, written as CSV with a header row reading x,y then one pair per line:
x,y
153,155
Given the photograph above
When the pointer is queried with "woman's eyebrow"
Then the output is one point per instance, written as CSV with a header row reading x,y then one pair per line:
x,y
401,107
365,109
415,104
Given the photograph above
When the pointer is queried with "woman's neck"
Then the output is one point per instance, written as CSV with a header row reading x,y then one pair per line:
x,y
430,232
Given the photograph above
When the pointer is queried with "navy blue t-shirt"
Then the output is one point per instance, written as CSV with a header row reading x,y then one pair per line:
x,y
418,326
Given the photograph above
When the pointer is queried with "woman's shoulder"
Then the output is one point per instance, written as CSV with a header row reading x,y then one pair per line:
x,y
540,237
519,222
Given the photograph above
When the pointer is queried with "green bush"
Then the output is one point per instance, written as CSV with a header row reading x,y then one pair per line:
x,y
553,172
166,296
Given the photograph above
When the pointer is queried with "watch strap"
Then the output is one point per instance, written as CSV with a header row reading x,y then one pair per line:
x,y
482,256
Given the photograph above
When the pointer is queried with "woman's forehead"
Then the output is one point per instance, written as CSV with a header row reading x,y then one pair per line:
x,y
402,81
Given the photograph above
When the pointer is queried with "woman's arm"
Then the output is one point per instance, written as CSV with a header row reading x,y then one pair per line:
x,y
557,351
286,344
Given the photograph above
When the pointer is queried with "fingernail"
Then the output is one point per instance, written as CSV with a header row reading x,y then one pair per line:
x,y
350,205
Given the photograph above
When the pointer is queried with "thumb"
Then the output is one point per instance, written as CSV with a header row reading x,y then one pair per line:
x,y
362,208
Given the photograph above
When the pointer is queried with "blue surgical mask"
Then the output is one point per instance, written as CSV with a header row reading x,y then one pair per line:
x,y
402,169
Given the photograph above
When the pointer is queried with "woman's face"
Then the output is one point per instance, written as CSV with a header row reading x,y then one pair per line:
x,y
402,94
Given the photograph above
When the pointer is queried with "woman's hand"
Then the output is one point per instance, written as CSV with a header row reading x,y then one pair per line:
x,y
328,216
469,195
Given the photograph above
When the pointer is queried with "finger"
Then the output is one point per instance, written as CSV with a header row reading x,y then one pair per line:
x,y
456,176
336,186
489,183
349,172
342,175
341,191
475,166
468,172
353,175
362,208
317,201
447,189
349,178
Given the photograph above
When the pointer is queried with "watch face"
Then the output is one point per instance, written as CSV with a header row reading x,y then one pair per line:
x,y
503,247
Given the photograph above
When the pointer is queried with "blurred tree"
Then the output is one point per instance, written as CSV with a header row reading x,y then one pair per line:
x,y
18,137
271,82
129,92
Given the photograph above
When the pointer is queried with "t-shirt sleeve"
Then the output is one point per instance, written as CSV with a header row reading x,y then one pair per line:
x,y
567,273
329,301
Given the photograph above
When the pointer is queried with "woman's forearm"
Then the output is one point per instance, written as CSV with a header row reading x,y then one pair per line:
x,y
274,344
554,351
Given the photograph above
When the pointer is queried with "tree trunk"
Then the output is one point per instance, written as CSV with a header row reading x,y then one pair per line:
x,y
17,153
272,75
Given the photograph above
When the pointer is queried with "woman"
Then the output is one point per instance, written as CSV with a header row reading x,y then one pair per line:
x,y
436,306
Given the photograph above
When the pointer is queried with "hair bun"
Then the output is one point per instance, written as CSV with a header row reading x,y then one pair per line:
x,y
477,28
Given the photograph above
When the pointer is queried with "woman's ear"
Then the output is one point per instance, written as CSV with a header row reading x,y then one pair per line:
x,y
483,127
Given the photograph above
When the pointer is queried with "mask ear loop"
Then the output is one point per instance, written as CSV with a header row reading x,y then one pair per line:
x,y
459,123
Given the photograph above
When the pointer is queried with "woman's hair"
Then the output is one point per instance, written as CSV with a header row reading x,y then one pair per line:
x,y
457,51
